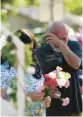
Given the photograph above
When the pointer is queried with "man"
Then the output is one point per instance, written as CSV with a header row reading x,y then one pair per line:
x,y
59,51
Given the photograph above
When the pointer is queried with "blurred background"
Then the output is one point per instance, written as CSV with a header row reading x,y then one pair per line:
x,y
37,16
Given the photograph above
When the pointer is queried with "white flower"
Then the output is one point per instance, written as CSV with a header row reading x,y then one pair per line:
x,y
31,70
52,75
59,68
67,84
61,82
67,75
61,74
62,79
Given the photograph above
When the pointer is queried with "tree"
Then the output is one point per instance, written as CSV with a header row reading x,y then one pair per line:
x,y
73,6
20,3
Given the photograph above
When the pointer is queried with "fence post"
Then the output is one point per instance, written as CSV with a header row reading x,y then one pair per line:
x,y
20,73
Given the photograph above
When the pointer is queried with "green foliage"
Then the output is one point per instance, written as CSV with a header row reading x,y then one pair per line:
x,y
20,3
28,56
9,54
33,2
13,84
4,17
13,96
6,53
73,6
48,91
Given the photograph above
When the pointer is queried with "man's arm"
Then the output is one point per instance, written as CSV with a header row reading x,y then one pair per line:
x,y
72,59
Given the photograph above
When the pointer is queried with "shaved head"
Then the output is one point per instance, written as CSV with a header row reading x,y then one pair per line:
x,y
59,29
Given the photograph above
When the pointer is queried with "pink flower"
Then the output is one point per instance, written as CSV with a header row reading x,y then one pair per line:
x,y
67,84
51,83
81,89
56,95
46,76
65,101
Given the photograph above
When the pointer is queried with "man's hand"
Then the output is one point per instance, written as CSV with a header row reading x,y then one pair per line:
x,y
36,96
53,40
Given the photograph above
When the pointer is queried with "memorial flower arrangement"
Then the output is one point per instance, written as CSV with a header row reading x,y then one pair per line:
x,y
55,80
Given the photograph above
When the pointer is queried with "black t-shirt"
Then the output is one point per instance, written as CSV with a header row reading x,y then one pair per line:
x,y
49,60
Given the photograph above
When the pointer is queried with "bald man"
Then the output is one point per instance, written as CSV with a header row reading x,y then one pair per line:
x,y
59,51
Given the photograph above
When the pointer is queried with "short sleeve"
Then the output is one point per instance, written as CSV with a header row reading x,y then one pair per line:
x,y
32,84
6,75
3,84
75,47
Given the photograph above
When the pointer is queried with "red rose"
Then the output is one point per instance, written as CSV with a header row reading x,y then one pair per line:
x,y
46,76
52,83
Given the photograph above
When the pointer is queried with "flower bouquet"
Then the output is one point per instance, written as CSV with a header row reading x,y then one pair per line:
x,y
55,80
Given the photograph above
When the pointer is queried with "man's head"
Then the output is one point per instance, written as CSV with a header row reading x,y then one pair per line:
x,y
60,29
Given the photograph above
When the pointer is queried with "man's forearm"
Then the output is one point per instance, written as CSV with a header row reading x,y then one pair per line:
x,y
72,59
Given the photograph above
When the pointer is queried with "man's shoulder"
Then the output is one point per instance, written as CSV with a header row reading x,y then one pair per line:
x,y
73,44
43,48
